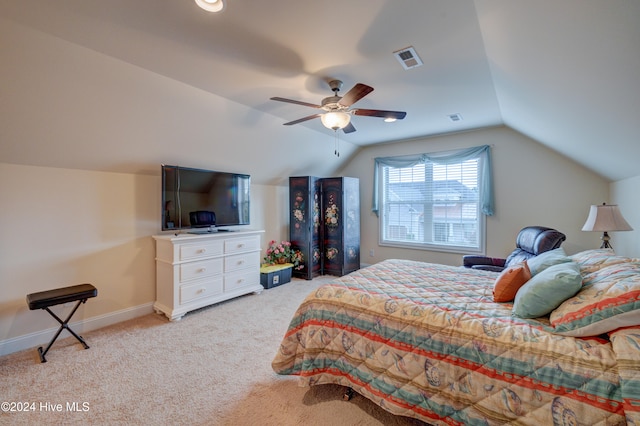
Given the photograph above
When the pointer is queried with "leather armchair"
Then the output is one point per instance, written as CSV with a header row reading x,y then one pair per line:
x,y
531,241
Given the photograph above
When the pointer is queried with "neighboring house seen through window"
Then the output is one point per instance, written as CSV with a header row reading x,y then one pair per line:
x,y
434,201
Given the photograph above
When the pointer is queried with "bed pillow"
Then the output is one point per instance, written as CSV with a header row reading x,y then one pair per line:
x,y
547,290
509,282
610,299
593,260
544,260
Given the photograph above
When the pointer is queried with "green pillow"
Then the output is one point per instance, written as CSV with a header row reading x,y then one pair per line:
x,y
547,290
549,258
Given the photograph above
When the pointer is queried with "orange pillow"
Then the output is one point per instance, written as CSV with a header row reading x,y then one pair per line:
x,y
510,281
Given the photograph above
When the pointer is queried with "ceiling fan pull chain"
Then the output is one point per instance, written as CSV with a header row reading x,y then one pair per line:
x,y
336,144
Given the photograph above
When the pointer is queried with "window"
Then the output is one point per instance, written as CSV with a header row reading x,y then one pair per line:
x,y
434,201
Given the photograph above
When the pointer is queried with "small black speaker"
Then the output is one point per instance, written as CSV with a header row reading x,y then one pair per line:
x,y
202,218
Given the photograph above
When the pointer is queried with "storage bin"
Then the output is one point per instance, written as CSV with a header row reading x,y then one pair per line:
x,y
275,275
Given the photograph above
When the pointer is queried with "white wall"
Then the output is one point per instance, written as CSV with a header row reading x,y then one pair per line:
x,y
533,186
625,194
63,227
67,106
270,211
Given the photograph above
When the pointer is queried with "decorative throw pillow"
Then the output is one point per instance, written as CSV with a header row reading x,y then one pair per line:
x,y
544,260
592,260
609,299
547,290
509,282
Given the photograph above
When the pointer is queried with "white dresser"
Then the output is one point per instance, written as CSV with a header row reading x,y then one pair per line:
x,y
193,271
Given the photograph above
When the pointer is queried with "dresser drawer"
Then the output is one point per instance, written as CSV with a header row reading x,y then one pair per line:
x,y
200,269
237,280
200,290
237,245
201,250
237,262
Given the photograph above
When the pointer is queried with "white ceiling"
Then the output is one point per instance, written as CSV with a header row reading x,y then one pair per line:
x,y
565,73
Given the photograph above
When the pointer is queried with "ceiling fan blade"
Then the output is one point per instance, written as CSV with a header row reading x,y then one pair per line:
x,y
398,115
349,128
300,120
291,101
356,93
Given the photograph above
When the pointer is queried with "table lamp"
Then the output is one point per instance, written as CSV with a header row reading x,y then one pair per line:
x,y
604,218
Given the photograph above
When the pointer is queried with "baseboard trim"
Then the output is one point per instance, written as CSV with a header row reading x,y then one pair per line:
x,y
39,338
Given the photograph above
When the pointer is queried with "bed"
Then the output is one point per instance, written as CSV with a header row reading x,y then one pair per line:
x,y
428,341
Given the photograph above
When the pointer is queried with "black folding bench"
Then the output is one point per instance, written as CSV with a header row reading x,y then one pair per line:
x,y
45,299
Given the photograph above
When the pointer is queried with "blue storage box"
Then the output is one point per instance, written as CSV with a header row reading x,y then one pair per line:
x,y
275,275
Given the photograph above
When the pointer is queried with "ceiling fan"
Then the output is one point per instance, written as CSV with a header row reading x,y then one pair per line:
x,y
336,109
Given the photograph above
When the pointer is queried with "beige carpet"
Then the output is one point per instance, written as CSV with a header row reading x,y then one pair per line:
x,y
211,368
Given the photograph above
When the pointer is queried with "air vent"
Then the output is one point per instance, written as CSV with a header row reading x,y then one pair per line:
x,y
455,117
408,58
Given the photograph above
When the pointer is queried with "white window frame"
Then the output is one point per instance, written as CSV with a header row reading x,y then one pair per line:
x,y
384,240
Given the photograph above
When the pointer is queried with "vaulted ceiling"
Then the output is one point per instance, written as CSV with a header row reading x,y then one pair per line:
x,y
565,73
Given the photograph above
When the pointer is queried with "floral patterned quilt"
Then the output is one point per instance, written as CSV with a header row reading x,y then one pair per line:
x,y
427,341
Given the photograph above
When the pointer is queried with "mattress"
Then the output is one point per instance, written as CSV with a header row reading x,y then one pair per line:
x,y
427,341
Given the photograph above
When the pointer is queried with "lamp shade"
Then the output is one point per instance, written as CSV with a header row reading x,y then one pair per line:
x,y
604,218
335,120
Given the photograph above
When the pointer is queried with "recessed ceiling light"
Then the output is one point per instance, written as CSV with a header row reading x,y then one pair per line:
x,y
211,5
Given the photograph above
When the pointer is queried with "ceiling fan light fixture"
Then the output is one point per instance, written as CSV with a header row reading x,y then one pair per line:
x,y
211,5
390,119
336,110
335,120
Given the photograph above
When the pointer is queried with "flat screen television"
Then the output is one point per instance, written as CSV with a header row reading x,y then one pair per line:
x,y
203,200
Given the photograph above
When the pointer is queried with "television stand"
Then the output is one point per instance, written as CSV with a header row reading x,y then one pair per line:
x,y
193,271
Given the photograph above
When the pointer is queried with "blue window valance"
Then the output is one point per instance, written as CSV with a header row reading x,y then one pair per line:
x,y
450,157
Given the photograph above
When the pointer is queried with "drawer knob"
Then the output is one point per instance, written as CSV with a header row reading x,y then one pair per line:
x,y
202,270
240,262
202,250
202,290
240,245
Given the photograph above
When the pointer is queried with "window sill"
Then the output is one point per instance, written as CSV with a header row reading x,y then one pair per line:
x,y
432,247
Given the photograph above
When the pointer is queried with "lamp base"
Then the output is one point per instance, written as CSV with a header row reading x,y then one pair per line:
x,y
605,241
